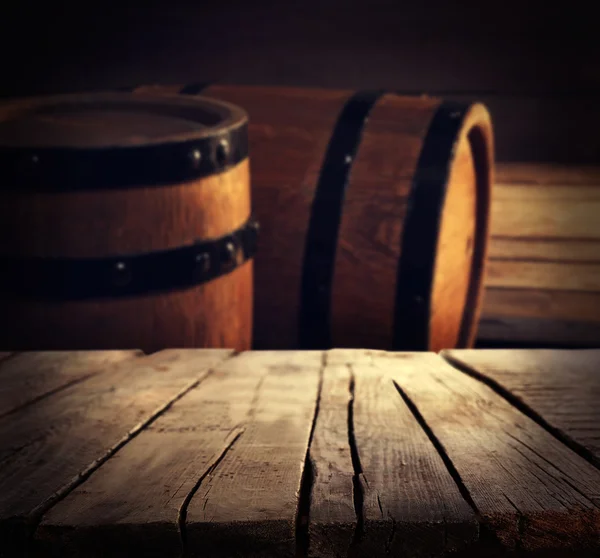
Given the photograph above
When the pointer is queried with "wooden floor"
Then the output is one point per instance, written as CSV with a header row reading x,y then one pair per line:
x,y
542,285
338,453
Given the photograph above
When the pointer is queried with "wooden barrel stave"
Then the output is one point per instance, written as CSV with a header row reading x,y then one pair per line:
x,y
291,131
129,223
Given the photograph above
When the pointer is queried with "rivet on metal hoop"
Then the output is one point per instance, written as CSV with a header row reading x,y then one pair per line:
x,y
229,253
121,274
195,157
29,165
201,262
222,152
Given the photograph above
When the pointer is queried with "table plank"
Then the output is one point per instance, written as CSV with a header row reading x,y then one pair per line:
x,y
531,492
407,454
143,500
49,448
197,429
559,389
31,376
250,501
408,504
332,518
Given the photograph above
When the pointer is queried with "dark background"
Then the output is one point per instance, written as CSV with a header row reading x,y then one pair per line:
x,y
534,64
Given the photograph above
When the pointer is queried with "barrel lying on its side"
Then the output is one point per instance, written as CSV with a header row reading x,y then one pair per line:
x,y
374,216
124,223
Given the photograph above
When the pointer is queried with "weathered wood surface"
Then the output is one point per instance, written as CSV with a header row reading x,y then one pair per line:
x,y
118,221
250,501
29,377
542,283
405,501
531,492
207,463
49,448
559,388
339,453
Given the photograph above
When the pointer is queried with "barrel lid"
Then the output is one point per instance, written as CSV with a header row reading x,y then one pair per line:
x,y
117,140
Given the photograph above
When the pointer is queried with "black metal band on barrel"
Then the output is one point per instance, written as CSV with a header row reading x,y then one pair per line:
x,y
73,169
416,267
131,275
322,235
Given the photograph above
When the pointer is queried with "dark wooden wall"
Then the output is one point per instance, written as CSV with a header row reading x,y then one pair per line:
x,y
535,65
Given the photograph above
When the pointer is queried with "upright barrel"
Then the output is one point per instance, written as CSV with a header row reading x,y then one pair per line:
x,y
125,222
374,216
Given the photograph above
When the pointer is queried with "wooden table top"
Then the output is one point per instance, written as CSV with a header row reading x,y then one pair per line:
x,y
321,454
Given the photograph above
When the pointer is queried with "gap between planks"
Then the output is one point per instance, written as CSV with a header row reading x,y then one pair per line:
x,y
306,483
307,479
36,515
523,407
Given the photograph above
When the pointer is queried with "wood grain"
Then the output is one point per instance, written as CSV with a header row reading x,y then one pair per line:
x,y
464,221
28,377
543,275
547,173
262,472
532,492
48,449
137,502
344,453
114,222
560,389
293,126
406,501
332,521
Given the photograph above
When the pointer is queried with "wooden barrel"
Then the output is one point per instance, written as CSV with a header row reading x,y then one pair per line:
x,y
543,282
374,216
125,223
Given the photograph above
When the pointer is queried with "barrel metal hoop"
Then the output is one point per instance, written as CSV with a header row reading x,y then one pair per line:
x,y
129,275
416,266
65,169
321,240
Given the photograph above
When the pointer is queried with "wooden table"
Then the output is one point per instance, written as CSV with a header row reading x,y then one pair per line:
x,y
338,453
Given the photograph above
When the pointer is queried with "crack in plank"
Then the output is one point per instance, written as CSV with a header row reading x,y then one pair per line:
x,y
565,477
440,450
380,506
34,518
358,495
521,523
519,404
95,371
538,454
182,515
48,393
550,490
308,476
